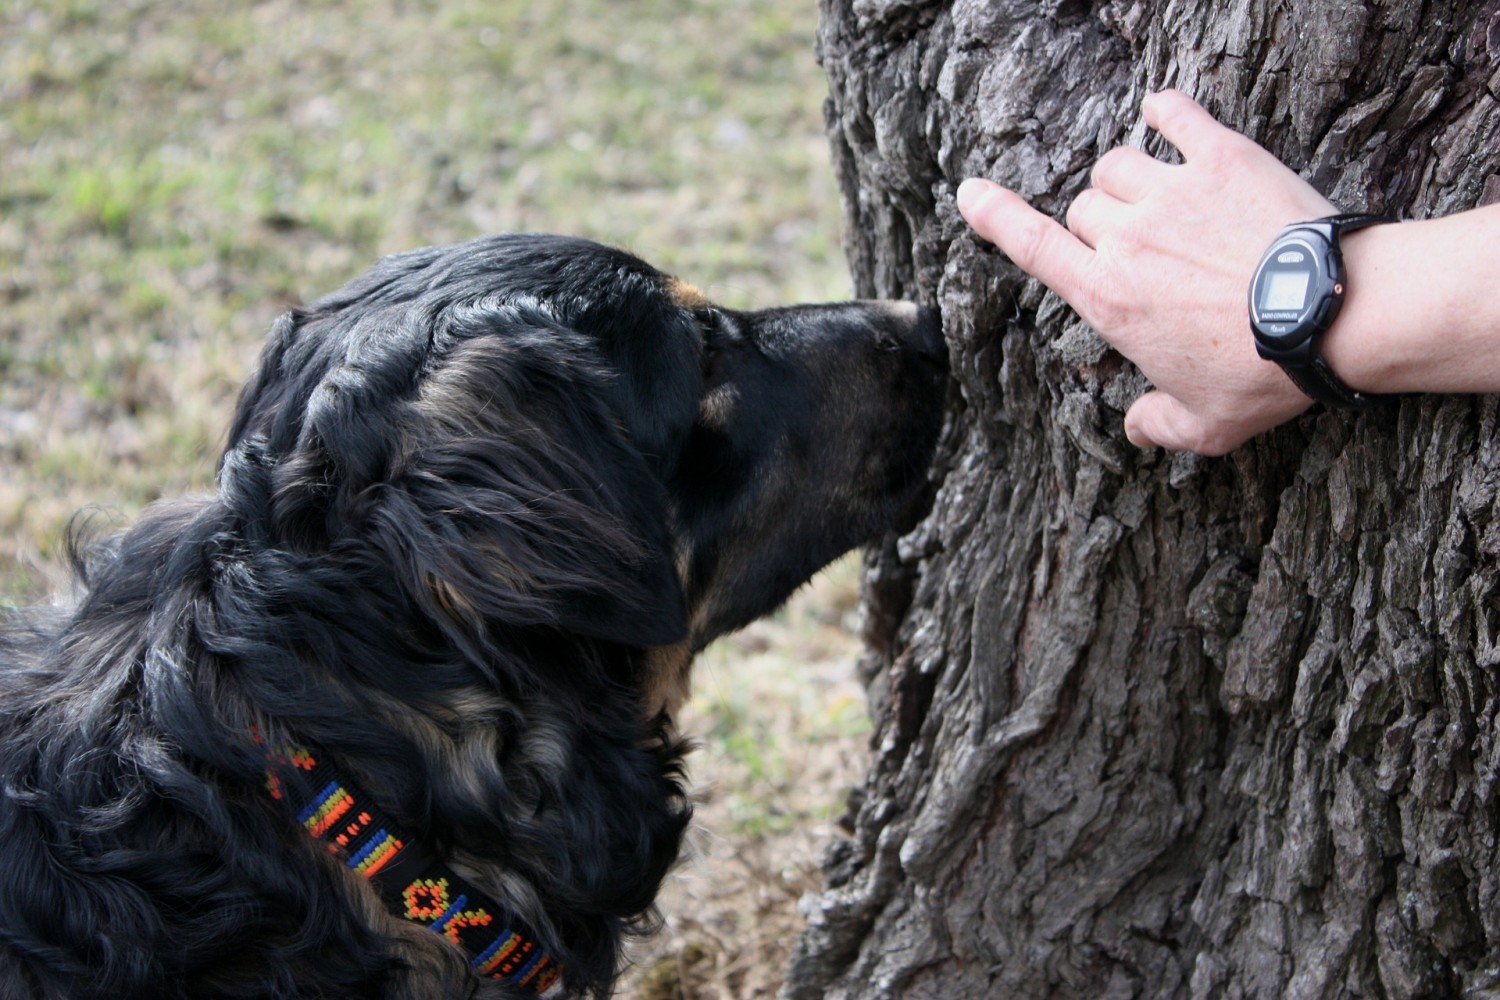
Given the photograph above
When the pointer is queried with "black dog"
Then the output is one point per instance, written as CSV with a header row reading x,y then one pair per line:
x,y
411,668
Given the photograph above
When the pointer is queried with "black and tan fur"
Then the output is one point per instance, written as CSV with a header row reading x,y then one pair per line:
x,y
476,513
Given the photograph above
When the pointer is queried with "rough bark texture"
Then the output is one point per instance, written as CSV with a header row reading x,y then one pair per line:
x,y
1155,726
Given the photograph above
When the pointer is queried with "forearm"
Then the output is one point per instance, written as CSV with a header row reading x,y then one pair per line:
x,y
1422,308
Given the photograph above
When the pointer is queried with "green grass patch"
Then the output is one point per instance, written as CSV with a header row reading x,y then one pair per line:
x,y
177,174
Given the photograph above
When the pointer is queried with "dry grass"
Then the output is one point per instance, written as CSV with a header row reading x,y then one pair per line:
x,y
175,175
783,728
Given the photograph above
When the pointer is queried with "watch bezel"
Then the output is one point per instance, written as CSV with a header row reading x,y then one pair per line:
x,y
1284,335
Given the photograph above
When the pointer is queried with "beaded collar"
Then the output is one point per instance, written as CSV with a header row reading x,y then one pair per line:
x,y
413,885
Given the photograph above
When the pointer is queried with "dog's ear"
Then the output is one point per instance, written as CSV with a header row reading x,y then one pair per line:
x,y
519,499
480,449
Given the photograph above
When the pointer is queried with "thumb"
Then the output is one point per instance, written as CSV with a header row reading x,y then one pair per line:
x,y
1157,420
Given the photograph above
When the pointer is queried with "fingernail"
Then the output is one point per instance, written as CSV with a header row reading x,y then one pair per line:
x,y
972,193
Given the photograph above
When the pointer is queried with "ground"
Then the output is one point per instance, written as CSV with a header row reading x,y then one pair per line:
x,y
178,174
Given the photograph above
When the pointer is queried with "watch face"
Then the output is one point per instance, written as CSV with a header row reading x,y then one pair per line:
x,y
1284,291
1290,297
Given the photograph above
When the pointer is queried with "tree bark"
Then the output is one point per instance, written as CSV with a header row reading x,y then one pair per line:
x,y
1152,725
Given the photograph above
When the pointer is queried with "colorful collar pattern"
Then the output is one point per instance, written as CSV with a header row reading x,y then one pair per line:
x,y
413,885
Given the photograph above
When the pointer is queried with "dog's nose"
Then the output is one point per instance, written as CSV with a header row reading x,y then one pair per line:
x,y
927,336
920,329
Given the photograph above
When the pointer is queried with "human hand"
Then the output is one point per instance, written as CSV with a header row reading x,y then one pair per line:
x,y
1158,259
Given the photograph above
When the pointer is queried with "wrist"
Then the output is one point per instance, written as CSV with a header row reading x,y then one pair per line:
x,y
1420,313
1369,344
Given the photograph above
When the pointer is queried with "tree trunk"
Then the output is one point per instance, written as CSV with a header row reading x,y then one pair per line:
x,y
1152,725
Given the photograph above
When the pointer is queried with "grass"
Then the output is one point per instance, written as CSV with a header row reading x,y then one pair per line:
x,y
783,731
177,174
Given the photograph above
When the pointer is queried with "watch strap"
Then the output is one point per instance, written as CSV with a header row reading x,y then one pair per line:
x,y
1318,381
1350,221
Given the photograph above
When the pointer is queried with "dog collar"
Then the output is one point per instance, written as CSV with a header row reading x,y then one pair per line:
x,y
413,885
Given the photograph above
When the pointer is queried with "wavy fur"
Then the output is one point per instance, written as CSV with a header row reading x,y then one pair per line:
x,y
453,520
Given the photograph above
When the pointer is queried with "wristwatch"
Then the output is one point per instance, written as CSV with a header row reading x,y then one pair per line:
x,y
1294,298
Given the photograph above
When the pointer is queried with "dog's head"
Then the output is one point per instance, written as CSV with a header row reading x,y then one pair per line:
x,y
476,512
538,431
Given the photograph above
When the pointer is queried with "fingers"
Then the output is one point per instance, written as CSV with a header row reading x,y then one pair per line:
x,y
1128,174
1094,215
1036,243
1182,122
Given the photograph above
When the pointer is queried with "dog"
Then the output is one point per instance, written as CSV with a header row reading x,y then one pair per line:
x,y
477,512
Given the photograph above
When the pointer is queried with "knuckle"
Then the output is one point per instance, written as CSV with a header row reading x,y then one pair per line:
x,y
1032,242
1132,242
1104,308
1106,167
1176,110
1202,436
1211,444
1230,153
1079,208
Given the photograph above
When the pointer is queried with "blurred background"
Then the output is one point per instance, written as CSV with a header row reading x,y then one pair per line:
x,y
174,175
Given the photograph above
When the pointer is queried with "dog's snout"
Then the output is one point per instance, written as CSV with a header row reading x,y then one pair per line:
x,y
927,336
919,329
